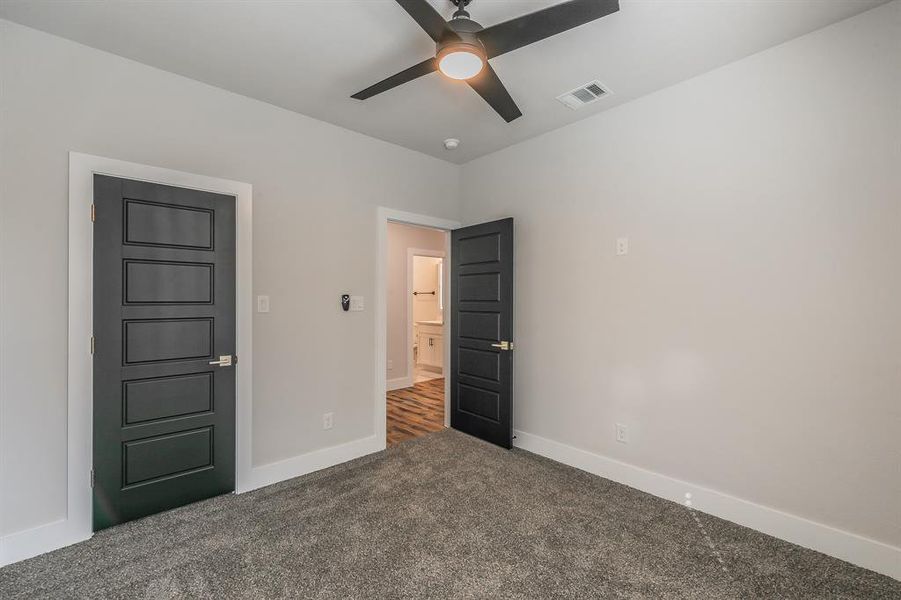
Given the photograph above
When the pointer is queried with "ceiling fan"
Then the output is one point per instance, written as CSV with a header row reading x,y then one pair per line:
x,y
464,47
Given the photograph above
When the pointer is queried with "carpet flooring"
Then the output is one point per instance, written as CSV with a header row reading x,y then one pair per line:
x,y
442,516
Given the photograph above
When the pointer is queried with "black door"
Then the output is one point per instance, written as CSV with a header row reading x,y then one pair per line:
x,y
164,313
482,331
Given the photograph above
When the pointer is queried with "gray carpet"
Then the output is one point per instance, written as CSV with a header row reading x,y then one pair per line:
x,y
444,516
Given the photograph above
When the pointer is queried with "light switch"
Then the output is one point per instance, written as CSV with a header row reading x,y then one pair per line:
x,y
356,303
263,304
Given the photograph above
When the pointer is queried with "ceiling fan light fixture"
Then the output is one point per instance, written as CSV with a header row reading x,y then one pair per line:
x,y
461,61
463,46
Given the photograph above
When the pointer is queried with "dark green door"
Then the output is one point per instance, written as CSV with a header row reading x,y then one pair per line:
x,y
164,314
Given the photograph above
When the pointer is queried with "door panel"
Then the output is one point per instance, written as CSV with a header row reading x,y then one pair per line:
x,y
478,401
480,287
167,455
482,318
155,340
157,224
164,308
158,282
480,325
166,397
479,363
480,248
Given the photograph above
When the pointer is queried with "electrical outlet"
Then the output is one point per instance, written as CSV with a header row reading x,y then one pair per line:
x,y
390,365
622,433
622,246
356,303
328,420
262,304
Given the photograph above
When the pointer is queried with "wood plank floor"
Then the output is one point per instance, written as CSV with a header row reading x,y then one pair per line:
x,y
415,411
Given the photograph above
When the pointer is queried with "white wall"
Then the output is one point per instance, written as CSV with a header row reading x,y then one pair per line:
x,y
400,239
751,339
316,188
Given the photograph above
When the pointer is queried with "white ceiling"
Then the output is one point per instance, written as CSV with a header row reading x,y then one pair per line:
x,y
311,55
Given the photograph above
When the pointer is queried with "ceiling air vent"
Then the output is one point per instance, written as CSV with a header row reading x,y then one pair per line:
x,y
586,94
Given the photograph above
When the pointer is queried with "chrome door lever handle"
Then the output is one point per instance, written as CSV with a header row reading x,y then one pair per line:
x,y
225,360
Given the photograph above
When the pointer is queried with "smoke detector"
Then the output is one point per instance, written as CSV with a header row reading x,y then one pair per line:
x,y
583,95
451,143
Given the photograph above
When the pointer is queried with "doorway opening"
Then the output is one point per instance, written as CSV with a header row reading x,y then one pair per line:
x,y
416,348
477,330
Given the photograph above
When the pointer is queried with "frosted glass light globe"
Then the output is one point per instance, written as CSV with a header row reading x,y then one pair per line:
x,y
461,65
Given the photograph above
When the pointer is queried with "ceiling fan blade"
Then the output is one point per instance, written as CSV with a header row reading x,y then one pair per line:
x,y
516,33
488,85
427,17
414,72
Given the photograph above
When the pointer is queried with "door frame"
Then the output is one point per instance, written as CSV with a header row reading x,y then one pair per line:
x,y
411,253
383,217
80,397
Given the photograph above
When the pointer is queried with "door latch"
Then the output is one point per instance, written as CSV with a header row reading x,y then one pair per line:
x,y
504,345
225,360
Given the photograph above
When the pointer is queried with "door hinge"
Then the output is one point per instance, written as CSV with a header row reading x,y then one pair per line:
x,y
93,343
93,213
92,477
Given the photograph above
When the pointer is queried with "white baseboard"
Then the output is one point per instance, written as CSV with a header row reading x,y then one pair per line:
x,y
38,540
399,383
312,461
58,534
847,546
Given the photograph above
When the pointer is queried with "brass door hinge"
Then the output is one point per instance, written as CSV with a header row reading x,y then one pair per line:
x,y
93,343
93,213
92,477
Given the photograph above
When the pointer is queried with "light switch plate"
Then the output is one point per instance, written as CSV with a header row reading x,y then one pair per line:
x,y
622,246
356,303
262,304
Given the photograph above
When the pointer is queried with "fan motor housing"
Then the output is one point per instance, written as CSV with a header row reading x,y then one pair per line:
x,y
464,25
465,39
